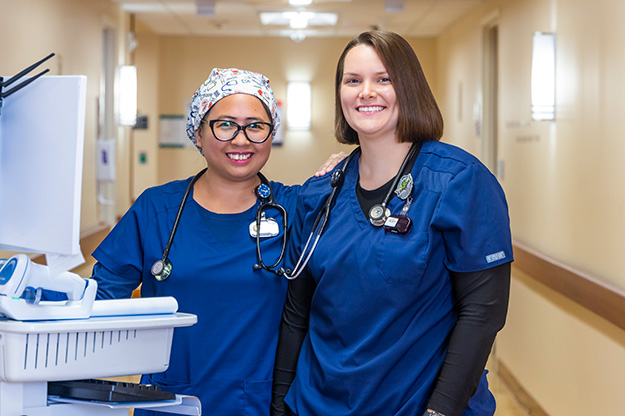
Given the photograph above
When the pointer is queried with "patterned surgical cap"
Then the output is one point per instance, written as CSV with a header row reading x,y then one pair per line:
x,y
224,82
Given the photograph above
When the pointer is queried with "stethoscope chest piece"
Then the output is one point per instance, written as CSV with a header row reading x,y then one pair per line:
x,y
161,270
378,214
263,191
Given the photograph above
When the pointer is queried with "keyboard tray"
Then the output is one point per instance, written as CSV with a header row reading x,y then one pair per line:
x,y
108,391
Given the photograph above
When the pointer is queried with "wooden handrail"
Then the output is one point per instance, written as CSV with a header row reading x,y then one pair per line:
x,y
595,295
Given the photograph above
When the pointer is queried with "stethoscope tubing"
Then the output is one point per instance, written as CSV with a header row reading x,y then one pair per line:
x,y
270,203
179,213
319,225
161,269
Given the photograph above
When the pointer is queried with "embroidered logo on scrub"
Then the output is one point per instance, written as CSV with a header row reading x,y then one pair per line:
x,y
495,256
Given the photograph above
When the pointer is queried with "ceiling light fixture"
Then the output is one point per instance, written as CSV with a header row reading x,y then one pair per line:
x,y
300,2
298,20
298,36
205,7
394,6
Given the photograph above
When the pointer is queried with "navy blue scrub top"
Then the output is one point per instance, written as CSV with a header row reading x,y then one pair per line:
x,y
226,359
383,308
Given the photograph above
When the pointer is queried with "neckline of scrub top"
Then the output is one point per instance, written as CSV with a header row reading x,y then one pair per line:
x,y
352,181
222,227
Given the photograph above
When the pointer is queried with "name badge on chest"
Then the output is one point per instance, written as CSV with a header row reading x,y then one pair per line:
x,y
268,227
400,224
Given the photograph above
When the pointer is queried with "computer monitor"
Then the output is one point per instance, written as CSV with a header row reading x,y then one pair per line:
x,y
41,155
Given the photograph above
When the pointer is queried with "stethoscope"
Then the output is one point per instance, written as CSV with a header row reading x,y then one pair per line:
x,y
378,215
161,269
338,177
264,193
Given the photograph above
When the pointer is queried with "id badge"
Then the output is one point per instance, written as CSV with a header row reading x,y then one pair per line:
x,y
398,224
268,228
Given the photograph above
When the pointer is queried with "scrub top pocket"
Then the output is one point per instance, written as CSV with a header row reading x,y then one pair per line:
x,y
398,271
413,247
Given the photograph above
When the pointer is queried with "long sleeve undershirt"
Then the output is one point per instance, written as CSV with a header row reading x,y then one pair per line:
x,y
481,303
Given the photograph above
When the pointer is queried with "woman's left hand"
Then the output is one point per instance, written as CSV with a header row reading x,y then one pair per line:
x,y
329,164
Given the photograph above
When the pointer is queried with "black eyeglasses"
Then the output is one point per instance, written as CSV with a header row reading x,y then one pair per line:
x,y
226,130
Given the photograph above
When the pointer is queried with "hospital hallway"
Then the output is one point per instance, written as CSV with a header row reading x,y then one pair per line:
x,y
532,88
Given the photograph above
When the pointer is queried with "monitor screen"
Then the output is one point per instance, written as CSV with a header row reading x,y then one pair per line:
x,y
41,155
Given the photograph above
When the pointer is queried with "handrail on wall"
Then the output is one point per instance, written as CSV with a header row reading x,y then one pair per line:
x,y
599,297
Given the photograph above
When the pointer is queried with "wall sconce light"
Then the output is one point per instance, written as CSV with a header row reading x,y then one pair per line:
x,y
298,107
127,95
544,76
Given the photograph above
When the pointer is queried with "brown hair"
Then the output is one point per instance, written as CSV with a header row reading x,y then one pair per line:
x,y
419,118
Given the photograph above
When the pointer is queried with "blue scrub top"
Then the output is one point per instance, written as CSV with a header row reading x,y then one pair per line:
x,y
383,307
226,359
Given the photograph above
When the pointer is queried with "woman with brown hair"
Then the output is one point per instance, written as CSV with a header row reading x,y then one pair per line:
x,y
398,307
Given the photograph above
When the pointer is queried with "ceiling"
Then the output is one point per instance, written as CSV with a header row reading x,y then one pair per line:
x,y
242,17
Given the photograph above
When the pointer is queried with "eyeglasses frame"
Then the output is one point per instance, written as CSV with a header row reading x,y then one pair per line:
x,y
239,128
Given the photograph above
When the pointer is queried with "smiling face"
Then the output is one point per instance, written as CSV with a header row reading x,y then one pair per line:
x,y
238,159
367,95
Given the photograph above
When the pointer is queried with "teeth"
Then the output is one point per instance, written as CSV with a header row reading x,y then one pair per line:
x,y
370,109
239,156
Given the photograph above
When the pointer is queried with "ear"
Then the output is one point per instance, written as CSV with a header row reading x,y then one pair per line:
x,y
198,137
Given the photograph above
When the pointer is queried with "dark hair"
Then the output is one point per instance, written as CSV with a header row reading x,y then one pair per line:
x,y
419,118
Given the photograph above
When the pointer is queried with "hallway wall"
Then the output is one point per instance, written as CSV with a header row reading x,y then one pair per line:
x,y
72,29
563,181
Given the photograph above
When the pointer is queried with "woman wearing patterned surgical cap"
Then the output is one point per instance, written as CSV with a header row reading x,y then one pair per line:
x,y
226,359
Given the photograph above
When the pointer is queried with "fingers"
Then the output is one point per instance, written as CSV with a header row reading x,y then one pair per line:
x,y
329,164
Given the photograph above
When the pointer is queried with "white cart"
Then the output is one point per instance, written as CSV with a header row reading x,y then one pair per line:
x,y
33,353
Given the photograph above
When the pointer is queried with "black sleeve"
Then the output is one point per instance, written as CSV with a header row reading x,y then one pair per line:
x,y
481,300
293,330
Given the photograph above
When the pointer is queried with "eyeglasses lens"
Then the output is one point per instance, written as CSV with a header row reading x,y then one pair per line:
x,y
255,132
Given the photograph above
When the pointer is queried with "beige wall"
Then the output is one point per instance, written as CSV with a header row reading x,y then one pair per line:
x,y
564,183
144,142
72,29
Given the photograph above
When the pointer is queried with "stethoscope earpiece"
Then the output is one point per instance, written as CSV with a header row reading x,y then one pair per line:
x,y
337,178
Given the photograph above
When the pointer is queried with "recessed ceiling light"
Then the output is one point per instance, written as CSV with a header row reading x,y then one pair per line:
x,y
300,2
205,7
394,5
297,19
